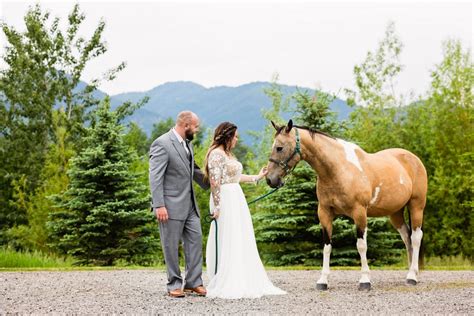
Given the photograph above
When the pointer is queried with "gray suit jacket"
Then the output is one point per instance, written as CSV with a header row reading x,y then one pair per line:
x,y
171,175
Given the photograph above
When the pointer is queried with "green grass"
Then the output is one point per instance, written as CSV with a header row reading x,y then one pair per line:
x,y
448,263
11,260
433,263
14,259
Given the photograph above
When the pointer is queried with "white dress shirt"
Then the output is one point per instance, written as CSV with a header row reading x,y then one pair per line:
x,y
181,141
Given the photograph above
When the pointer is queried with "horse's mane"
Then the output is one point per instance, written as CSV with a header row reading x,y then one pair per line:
x,y
313,131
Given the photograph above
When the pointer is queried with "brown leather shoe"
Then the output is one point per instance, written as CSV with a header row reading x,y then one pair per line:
x,y
200,290
176,293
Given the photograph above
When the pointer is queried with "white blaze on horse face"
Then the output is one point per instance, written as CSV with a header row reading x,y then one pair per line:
x,y
349,149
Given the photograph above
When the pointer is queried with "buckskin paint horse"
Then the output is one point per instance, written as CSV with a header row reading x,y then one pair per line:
x,y
357,184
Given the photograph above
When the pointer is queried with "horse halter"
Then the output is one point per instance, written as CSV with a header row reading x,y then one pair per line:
x,y
284,164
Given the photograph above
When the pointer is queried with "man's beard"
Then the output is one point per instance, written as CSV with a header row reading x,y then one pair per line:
x,y
189,135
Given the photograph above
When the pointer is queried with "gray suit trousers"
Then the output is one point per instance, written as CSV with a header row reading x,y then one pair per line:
x,y
190,231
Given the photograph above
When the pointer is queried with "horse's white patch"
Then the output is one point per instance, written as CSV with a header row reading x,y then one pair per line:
x,y
362,248
349,149
376,195
325,271
401,180
416,237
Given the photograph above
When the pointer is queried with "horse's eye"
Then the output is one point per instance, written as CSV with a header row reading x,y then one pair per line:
x,y
279,149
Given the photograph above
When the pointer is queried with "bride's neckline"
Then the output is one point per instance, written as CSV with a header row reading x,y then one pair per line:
x,y
225,154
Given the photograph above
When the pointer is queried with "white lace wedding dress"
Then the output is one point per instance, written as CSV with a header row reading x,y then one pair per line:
x,y
240,272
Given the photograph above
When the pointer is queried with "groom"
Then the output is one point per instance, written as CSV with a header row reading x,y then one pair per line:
x,y
172,170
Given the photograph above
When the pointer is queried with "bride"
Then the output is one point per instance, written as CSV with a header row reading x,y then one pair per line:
x,y
240,272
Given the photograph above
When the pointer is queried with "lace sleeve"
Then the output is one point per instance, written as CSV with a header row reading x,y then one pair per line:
x,y
216,169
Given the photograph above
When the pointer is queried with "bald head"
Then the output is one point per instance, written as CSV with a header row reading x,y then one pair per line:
x,y
186,117
187,124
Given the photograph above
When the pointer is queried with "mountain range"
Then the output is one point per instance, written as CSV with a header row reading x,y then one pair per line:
x,y
241,105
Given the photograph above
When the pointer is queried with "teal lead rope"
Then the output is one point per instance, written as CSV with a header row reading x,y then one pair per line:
x,y
284,166
263,196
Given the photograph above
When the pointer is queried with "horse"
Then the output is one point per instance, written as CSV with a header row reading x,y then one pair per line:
x,y
356,184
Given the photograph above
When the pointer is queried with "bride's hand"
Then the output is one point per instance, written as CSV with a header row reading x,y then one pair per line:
x,y
263,172
215,214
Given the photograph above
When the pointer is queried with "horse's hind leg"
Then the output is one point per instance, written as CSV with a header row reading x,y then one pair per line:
x,y
415,207
360,220
325,219
398,222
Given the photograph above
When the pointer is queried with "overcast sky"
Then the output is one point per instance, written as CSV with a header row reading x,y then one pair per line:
x,y
314,45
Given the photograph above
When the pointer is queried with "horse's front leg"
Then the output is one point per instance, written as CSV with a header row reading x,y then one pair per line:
x,y
325,219
360,219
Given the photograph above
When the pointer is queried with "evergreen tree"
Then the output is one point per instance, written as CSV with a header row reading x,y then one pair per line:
x,y
104,214
137,139
285,220
288,228
44,65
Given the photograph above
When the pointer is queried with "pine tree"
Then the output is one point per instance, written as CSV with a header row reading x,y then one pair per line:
x,y
43,67
288,229
104,214
285,222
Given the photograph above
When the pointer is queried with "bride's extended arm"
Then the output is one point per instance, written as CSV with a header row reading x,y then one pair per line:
x,y
245,178
253,178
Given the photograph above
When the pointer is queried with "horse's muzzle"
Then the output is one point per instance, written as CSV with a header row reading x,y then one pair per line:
x,y
274,182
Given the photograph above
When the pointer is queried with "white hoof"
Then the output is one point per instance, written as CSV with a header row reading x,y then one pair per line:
x,y
412,277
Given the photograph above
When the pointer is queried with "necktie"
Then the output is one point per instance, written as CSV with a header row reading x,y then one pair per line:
x,y
186,148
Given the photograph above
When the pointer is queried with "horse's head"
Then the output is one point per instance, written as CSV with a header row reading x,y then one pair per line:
x,y
286,153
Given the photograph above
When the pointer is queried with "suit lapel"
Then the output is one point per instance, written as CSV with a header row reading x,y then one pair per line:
x,y
180,149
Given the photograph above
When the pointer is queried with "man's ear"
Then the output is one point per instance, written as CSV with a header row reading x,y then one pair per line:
x,y
289,126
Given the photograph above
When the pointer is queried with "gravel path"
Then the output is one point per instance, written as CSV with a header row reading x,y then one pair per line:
x,y
142,292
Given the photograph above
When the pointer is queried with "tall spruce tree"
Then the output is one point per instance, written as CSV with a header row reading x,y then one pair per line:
x,y
103,216
286,222
43,67
288,228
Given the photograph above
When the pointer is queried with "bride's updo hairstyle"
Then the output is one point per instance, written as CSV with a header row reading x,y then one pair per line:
x,y
223,135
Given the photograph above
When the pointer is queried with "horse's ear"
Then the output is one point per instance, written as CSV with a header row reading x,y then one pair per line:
x,y
275,126
289,126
